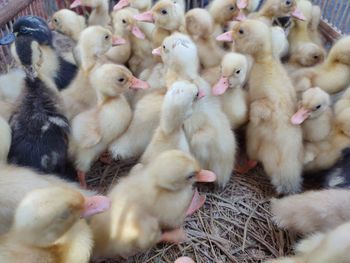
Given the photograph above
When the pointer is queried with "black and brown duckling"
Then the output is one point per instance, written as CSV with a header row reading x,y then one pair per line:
x,y
54,66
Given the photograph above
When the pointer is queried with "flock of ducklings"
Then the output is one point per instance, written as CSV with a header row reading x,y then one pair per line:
x,y
173,88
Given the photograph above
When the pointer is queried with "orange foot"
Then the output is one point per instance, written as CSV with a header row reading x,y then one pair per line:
x,y
81,178
196,203
246,166
106,158
177,235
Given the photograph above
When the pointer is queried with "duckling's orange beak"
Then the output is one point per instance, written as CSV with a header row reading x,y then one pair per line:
x,y
241,4
75,4
300,116
221,86
205,176
121,4
117,41
240,17
196,203
157,51
225,37
138,84
95,205
136,31
145,17
298,14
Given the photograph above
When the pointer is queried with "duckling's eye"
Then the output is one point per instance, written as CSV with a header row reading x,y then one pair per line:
x,y
191,175
317,107
164,12
121,80
55,20
288,2
106,37
238,71
232,7
241,31
124,21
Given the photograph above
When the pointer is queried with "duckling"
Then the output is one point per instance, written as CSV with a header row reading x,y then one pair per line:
x,y
312,211
333,75
25,180
248,6
54,66
68,23
331,246
214,152
234,74
177,107
137,217
93,43
100,11
39,129
5,143
48,227
168,17
93,130
270,109
200,26
315,115
141,5
224,11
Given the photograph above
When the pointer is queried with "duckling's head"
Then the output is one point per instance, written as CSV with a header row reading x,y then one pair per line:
x,y
224,11
44,215
175,170
249,37
234,71
199,23
314,103
165,14
282,8
340,52
68,23
179,52
138,4
308,55
112,80
124,22
89,3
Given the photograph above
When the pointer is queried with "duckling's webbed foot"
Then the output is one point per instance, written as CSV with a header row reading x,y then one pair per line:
x,y
246,166
177,235
81,177
196,203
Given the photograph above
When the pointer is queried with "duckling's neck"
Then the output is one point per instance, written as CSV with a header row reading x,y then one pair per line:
x,y
99,15
104,98
264,57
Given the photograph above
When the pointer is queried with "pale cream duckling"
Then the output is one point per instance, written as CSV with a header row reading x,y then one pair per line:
x,y
200,26
95,129
234,99
270,109
100,11
342,107
224,11
208,130
312,211
94,42
5,142
177,107
331,246
168,17
153,197
47,227
333,75
68,23
141,5
315,115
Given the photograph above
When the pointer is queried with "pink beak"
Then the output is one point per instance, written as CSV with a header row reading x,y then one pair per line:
x,y
51,26
225,37
241,4
95,205
240,17
138,84
121,4
300,116
157,51
117,41
184,260
201,94
145,17
136,31
221,86
298,14
75,4
205,176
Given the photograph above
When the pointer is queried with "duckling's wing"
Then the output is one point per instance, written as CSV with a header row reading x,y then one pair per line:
x,y
87,132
